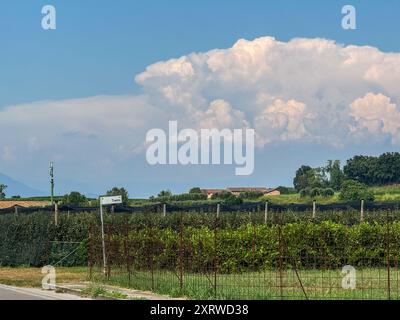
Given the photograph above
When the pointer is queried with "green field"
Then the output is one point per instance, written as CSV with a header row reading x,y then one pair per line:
x,y
382,194
266,285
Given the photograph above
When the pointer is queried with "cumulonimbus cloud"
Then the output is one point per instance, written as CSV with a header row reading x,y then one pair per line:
x,y
303,89
309,90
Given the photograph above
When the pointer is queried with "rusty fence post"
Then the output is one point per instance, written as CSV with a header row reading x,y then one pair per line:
x,y
181,254
216,262
280,244
388,255
126,249
90,252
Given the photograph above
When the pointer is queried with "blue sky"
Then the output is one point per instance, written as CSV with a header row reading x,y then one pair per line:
x,y
100,46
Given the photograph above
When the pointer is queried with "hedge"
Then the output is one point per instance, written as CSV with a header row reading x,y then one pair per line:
x,y
256,247
234,243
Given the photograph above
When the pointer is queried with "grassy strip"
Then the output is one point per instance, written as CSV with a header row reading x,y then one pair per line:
x,y
267,285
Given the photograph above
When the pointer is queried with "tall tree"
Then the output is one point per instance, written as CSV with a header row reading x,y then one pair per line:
x,y
2,191
381,170
336,175
305,177
75,199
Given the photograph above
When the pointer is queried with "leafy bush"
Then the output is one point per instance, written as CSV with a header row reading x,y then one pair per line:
x,y
75,199
251,195
286,190
328,192
183,197
317,192
256,248
355,191
227,198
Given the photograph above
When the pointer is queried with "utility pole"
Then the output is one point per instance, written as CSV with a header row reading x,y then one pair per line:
x,y
52,182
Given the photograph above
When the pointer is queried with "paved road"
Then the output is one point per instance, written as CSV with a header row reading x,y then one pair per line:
x,y
13,293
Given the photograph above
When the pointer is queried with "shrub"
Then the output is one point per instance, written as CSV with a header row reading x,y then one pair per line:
x,y
286,190
227,198
184,197
317,192
355,191
252,195
328,192
75,199
306,192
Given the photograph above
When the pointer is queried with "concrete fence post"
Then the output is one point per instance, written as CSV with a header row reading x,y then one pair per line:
x,y
362,211
56,213
266,213
314,209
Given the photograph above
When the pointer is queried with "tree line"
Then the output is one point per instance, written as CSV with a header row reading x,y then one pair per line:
x,y
352,181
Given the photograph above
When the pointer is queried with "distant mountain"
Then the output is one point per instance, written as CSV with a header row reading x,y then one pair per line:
x,y
15,188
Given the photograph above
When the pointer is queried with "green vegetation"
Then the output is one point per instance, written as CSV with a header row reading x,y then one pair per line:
x,y
253,195
264,285
96,291
2,189
227,198
119,192
259,247
75,199
317,192
355,191
373,171
183,197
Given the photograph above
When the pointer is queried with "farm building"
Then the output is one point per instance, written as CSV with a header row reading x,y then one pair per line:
x,y
23,204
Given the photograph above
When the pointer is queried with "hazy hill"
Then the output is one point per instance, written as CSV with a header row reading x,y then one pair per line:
x,y
15,187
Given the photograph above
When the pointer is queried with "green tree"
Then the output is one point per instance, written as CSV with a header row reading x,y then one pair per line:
x,y
75,199
353,190
307,177
336,175
195,190
304,177
119,192
164,194
2,191
362,169
286,190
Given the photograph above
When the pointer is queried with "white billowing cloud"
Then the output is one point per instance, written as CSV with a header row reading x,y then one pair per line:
x,y
221,115
282,121
377,115
309,90
320,75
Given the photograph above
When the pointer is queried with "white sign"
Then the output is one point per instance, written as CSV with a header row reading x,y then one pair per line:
x,y
110,200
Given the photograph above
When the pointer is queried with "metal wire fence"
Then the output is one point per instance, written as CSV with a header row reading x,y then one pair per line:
x,y
277,258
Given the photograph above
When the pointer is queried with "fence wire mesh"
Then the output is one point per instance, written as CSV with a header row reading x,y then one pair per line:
x,y
246,256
